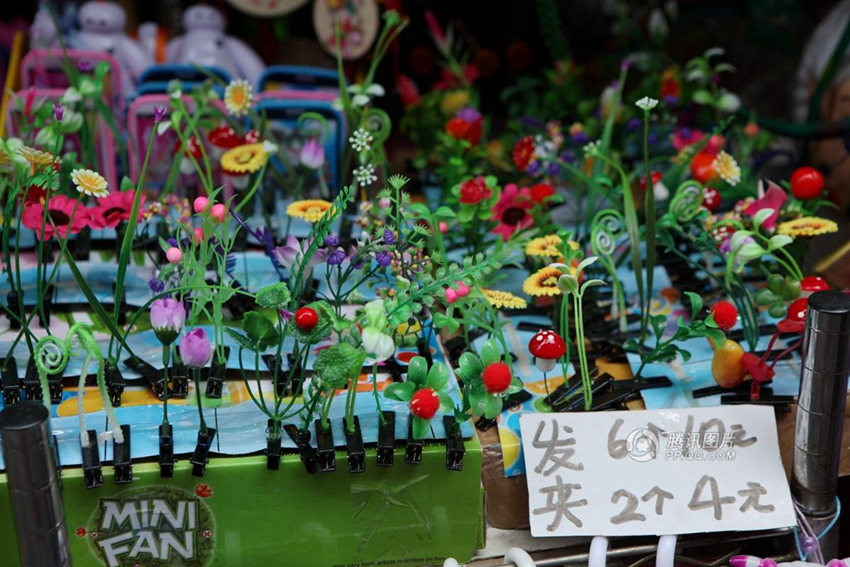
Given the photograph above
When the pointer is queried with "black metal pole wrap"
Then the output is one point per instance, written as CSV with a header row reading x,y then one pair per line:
x,y
34,489
820,411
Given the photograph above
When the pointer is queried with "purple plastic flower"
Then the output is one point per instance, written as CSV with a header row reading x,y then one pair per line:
x,y
671,100
336,257
581,138
167,318
173,241
468,114
312,154
389,237
84,65
195,348
332,240
158,114
156,285
533,168
58,111
633,124
383,259
553,169
568,156
294,250
652,138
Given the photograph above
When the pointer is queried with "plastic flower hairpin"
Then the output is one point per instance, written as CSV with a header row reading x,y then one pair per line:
x,y
425,390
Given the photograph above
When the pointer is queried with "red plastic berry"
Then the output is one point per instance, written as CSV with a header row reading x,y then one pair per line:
x,y
725,315
306,318
424,403
702,167
806,183
710,198
497,377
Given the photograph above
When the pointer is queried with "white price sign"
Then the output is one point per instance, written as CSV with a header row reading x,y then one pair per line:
x,y
655,472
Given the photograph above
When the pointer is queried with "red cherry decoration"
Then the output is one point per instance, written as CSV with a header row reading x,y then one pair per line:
x,y
806,183
496,377
710,198
725,315
702,167
424,403
812,284
306,319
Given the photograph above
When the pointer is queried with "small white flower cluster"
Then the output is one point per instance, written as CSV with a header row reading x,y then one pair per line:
x,y
365,175
360,140
647,103
592,148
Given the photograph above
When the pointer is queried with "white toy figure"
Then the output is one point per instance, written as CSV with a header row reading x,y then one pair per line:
x,y
102,29
43,32
205,43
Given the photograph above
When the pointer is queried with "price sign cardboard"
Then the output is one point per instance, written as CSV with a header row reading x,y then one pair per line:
x,y
655,472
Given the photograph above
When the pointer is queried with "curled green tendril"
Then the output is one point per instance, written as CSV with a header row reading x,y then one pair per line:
x,y
51,357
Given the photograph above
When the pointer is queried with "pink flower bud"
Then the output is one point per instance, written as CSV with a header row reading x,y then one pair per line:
x,y
218,212
462,289
443,227
200,204
174,255
199,234
451,295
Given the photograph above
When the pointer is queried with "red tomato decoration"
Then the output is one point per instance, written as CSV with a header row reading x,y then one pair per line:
x,y
306,319
806,183
424,403
496,377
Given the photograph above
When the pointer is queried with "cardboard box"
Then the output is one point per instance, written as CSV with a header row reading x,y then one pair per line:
x,y
242,515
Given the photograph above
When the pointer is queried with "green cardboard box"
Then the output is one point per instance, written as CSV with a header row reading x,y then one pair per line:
x,y
242,515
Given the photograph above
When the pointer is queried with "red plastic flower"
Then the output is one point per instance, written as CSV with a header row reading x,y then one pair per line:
x,y
114,209
461,129
511,211
541,192
757,367
670,85
684,137
80,532
408,91
523,152
34,194
773,198
67,214
496,377
474,190
424,403
203,490
725,315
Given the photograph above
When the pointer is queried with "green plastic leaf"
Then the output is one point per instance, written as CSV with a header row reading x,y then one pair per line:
x,y
259,330
469,367
444,212
401,391
275,296
516,386
585,263
751,251
762,216
696,302
567,283
490,353
447,404
421,427
241,339
338,364
420,210
438,376
492,405
477,402
778,241
700,96
738,238
718,336
417,370
466,213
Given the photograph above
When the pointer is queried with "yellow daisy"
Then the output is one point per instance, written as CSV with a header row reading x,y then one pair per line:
x,y
309,209
503,299
547,246
238,97
727,168
35,157
454,101
90,182
807,226
247,158
543,282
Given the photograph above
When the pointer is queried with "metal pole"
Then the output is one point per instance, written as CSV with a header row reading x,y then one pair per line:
x,y
820,412
34,489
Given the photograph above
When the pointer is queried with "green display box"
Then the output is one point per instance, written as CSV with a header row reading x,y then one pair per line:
x,y
240,514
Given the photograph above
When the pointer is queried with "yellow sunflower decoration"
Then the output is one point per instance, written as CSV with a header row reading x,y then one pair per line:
x,y
310,210
247,158
547,246
807,226
90,182
503,299
727,168
238,97
543,282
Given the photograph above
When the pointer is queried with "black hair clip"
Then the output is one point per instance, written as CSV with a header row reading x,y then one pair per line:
x,y
325,447
114,384
199,457
91,462
386,439
179,382
166,451
454,444
301,438
215,378
121,458
11,382
413,450
354,446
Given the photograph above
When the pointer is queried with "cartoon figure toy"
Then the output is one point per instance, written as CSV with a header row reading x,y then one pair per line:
x,y
102,29
205,43
43,32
